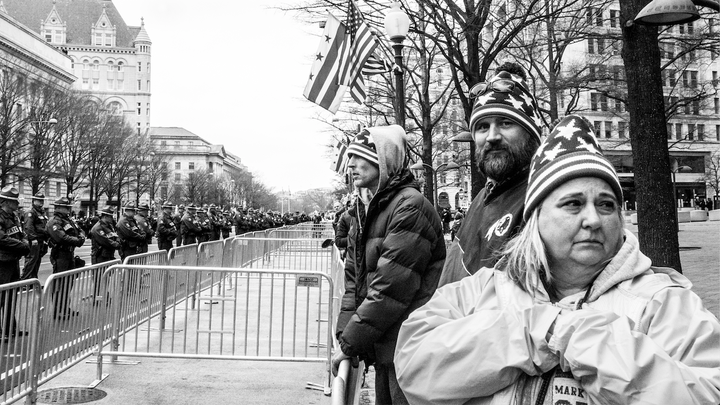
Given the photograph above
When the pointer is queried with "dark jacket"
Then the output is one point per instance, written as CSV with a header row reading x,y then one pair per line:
x,y
104,242
394,258
35,225
166,230
130,235
342,230
492,219
189,229
13,243
63,232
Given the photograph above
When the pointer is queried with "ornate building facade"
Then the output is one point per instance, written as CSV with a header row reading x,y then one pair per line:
x,y
111,60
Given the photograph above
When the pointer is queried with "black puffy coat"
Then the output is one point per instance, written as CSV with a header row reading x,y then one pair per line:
x,y
393,264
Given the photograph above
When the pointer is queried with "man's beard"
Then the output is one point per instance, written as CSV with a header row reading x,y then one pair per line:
x,y
500,161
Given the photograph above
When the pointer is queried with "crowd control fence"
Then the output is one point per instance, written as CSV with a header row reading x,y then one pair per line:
x,y
20,304
271,314
253,296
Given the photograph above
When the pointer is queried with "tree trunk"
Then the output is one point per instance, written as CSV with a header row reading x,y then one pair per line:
x,y
657,218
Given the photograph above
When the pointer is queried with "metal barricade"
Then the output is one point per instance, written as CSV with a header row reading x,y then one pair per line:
x,y
20,304
307,254
270,315
70,324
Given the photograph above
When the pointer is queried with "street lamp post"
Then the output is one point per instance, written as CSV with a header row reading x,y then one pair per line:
x,y
420,165
397,25
675,169
670,12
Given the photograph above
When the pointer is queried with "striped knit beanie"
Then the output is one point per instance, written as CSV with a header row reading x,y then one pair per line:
x,y
569,152
364,146
516,103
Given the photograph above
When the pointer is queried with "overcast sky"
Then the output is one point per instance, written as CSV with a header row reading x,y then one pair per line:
x,y
233,73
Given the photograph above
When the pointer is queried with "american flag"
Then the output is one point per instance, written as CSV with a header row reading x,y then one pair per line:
x,y
359,47
342,159
376,65
323,86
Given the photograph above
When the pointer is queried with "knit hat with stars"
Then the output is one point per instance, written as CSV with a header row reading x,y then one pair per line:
x,y
569,152
514,101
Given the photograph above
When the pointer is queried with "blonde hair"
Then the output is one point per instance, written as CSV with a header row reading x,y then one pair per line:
x,y
524,258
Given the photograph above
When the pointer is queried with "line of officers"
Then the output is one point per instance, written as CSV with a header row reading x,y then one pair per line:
x,y
34,233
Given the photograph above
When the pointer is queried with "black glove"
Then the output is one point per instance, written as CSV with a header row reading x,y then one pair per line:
x,y
327,243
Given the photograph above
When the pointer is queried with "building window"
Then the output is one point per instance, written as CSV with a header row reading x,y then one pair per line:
x,y
614,18
717,105
98,39
96,84
148,86
717,132
85,83
119,85
58,188
701,132
139,66
608,129
678,131
163,143
120,67
178,176
177,144
139,108
598,127
48,37
669,131
111,84
691,132
591,45
210,167
191,166
177,165
696,107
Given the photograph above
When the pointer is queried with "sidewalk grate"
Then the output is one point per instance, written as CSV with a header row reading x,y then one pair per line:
x,y
70,395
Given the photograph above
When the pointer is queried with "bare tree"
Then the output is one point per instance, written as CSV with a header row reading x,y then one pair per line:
x,y
78,127
14,123
712,172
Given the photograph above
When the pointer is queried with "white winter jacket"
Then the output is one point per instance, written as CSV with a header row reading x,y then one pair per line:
x,y
642,337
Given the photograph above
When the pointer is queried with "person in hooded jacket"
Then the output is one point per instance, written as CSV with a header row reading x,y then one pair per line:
x,y
572,313
394,258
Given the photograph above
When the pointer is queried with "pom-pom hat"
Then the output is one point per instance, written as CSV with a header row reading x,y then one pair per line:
x,y
570,151
506,95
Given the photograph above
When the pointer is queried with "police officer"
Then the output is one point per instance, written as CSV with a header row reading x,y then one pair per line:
x,y
216,223
190,227
13,245
65,236
177,219
227,224
104,243
129,234
35,223
105,240
145,225
166,230
206,227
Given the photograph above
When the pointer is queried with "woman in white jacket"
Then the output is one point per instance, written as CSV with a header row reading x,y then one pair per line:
x,y
573,313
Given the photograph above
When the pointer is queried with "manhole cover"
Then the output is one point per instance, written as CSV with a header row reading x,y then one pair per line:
x,y
70,395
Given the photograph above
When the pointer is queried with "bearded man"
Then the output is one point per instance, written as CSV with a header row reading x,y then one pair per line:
x,y
506,126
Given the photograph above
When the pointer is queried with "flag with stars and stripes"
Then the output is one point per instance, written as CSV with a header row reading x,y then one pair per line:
x,y
324,87
360,45
376,65
341,160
